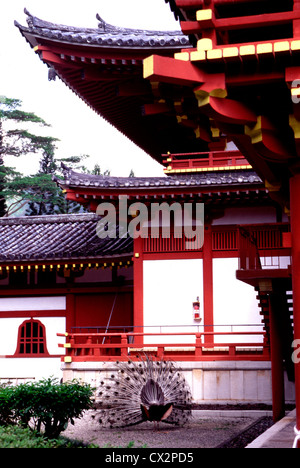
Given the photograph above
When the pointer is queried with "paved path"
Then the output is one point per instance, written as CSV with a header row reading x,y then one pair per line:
x,y
281,435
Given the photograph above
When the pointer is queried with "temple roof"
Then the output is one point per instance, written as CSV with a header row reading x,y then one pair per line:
x,y
57,238
239,187
104,67
102,36
217,179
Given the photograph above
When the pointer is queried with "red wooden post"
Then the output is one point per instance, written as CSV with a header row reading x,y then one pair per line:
x,y
198,349
89,351
138,301
278,398
208,284
295,231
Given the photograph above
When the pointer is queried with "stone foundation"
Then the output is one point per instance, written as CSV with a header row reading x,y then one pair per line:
x,y
210,382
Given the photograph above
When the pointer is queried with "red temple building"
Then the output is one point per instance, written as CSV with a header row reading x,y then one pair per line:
x,y
218,107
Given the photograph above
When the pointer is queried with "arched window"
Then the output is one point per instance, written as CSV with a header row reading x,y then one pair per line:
x,y
31,339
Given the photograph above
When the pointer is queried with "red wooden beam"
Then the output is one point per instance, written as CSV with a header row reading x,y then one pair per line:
x,y
241,22
169,70
270,19
182,73
190,3
158,108
227,110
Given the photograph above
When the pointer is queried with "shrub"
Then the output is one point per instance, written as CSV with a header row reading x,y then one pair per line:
x,y
6,414
45,406
18,437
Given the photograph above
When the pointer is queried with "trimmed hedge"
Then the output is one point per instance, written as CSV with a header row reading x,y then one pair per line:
x,y
46,406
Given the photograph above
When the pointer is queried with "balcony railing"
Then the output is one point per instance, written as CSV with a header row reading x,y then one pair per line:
x,y
262,247
187,346
204,161
267,238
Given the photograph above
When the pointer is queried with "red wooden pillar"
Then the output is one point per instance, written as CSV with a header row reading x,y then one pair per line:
x,y
208,304
138,290
295,232
70,311
278,396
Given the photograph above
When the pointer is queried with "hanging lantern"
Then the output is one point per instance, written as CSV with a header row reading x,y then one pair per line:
x,y
196,310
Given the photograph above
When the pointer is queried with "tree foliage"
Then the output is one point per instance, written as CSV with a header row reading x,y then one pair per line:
x,y
15,141
38,192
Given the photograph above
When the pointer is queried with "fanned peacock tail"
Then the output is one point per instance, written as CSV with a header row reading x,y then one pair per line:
x,y
144,390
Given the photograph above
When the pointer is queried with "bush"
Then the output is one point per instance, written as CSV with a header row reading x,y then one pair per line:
x,y
6,414
18,437
45,406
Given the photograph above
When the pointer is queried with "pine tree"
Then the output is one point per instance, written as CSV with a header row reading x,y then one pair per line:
x,y
15,141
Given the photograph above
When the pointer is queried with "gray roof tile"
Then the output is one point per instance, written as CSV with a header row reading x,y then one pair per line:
x,y
61,237
105,35
217,178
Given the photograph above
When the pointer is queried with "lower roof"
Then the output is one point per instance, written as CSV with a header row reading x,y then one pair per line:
x,y
57,238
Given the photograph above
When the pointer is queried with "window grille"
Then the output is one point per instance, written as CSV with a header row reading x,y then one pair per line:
x,y
31,339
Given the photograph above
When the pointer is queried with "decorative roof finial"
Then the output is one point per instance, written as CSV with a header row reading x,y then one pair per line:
x,y
102,24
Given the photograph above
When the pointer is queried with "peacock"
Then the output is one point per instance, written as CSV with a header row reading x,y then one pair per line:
x,y
145,390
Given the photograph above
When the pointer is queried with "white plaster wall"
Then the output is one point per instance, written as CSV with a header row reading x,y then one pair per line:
x,y
170,288
9,304
18,369
235,303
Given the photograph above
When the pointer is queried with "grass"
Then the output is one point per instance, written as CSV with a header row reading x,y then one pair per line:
x,y
17,437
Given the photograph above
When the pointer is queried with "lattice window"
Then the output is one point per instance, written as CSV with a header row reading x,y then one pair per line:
x,y
31,339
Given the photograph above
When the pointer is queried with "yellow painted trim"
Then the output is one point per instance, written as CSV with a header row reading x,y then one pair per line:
x,y
204,44
265,48
255,133
248,50
36,48
67,345
295,125
68,359
214,54
231,52
184,56
204,15
205,50
272,187
215,132
220,93
148,66
208,169
282,46
295,45
198,56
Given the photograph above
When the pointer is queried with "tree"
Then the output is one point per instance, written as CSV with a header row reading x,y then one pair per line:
x,y
45,196
15,141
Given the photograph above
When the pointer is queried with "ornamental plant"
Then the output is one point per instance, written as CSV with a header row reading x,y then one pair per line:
x,y
46,406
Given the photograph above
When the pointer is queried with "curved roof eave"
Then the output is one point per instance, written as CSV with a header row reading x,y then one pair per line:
x,y
103,36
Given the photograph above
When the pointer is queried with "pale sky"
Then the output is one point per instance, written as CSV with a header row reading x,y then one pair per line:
x,y
79,129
